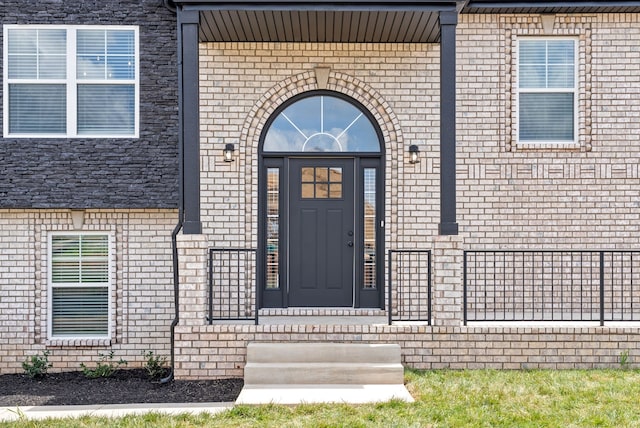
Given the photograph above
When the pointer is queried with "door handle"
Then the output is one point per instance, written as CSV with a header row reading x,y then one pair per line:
x,y
350,243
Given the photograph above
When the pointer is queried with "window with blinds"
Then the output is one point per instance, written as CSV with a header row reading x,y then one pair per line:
x,y
79,285
547,91
71,81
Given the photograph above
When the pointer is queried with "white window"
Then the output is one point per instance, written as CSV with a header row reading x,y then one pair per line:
x,y
79,277
70,81
547,91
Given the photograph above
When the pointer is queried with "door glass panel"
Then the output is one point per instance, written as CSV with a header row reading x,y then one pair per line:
x,y
321,123
308,175
273,227
307,190
369,228
335,191
322,190
321,183
322,175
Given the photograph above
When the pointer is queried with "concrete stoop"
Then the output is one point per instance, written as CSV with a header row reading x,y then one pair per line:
x,y
294,373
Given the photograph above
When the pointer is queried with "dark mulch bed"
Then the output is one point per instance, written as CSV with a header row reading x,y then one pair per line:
x,y
125,386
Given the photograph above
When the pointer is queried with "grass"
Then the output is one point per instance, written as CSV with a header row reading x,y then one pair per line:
x,y
444,398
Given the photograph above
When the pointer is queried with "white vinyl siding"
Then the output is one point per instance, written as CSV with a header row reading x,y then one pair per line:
x,y
547,91
71,81
79,285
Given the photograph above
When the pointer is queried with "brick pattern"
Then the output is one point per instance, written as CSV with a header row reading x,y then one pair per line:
x,y
447,280
242,85
219,351
142,293
546,196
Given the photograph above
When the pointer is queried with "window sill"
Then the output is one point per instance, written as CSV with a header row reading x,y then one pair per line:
x,y
77,342
543,146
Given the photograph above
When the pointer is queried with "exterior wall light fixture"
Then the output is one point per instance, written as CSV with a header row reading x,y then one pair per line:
x,y
414,154
228,152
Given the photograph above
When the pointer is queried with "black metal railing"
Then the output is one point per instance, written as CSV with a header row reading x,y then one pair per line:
x,y
546,285
409,285
232,285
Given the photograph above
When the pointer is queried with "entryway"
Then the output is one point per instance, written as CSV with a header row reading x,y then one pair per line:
x,y
321,205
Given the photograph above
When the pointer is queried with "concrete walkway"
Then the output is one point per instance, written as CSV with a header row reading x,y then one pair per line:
x,y
8,414
306,394
277,394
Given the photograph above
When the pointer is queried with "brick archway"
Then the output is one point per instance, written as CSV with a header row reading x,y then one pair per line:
x,y
360,91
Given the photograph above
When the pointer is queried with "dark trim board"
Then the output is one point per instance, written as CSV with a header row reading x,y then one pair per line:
x,y
319,5
492,6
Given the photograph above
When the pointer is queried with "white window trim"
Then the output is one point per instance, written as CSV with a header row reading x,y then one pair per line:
x,y
71,81
50,286
575,90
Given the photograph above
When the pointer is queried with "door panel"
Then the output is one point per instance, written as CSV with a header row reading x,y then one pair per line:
x,y
321,227
335,259
307,248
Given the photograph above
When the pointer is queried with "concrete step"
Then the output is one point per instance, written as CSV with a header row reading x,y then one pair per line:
x,y
324,373
323,363
323,352
290,373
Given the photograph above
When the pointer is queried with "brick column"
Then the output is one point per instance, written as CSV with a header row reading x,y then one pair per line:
x,y
193,267
447,280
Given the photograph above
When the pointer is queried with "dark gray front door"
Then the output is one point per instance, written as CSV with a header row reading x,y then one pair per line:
x,y
321,232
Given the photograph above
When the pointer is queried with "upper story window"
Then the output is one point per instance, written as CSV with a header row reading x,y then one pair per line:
x,y
321,123
547,91
71,81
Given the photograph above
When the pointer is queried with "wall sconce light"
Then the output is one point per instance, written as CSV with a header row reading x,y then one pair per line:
x,y
414,154
228,152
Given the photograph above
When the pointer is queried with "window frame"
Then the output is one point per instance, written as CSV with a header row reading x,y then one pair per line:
x,y
575,90
50,285
71,81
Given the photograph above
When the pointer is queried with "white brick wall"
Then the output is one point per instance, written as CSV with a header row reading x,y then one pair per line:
x,y
509,195
514,196
142,294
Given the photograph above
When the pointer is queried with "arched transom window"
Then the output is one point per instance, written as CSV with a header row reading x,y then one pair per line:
x,y
321,123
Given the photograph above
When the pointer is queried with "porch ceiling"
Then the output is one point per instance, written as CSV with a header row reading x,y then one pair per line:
x,y
317,21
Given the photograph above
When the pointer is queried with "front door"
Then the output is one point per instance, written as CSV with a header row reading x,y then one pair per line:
x,y
321,205
321,232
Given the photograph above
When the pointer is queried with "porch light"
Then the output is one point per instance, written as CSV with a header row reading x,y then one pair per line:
x,y
228,152
414,154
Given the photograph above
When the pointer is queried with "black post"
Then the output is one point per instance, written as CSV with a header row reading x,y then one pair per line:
x,y
210,287
429,288
448,224
601,288
390,308
464,288
188,75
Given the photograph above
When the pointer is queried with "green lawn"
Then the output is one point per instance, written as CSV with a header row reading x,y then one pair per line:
x,y
447,398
